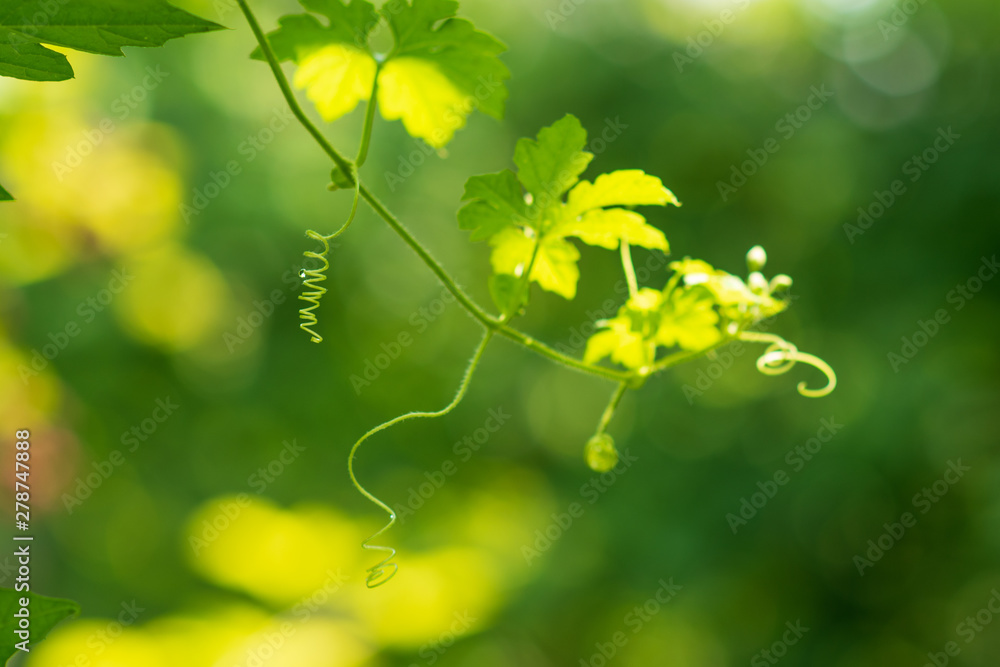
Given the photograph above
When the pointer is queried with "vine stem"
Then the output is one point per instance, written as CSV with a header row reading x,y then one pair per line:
x,y
286,90
377,574
366,133
609,411
633,285
488,321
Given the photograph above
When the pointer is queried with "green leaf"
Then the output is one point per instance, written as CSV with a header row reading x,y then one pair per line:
x,y
334,65
552,164
607,228
21,58
689,320
627,187
5,196
440,70
555,266
495,203
93,26
44,614
508,293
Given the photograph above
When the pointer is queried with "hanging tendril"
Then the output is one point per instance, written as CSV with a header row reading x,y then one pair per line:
x,y
313,277
385,569
780,356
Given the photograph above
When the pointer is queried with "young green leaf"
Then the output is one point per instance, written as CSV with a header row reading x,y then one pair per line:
x,y
552,164
440,70
688,320
4,195
496,203
93,26
548,167
334,64
45,614
555,267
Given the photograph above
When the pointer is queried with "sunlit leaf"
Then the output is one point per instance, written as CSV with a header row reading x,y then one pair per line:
x,y
555,267
440,70
607,228
628,187
335,67
688,319
93,26
552,164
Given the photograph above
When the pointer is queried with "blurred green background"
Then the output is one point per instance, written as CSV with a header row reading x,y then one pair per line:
x,y
227,533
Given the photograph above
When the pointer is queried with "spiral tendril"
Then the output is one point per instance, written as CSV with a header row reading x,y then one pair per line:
x,y
313,277
780,356
385,569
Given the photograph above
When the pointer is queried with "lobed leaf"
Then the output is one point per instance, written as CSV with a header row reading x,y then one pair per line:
x,y
93,26
552,164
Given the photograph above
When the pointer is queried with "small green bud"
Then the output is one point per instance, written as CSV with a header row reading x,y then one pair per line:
x,y
341,181
757,283
756,258
600,453
780,283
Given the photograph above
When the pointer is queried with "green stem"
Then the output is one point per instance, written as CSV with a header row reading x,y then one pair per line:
x,y
286,90
525,283
489,322
633,285
366,135
377,574
609,411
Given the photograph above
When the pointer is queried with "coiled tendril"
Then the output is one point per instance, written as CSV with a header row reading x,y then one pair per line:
x,y
313,277
385,569
781,356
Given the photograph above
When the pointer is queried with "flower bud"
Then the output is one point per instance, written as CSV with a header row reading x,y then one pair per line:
x,y
757,283
600,453
780,283
756,258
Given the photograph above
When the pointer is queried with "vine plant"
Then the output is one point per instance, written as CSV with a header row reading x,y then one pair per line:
x,y
439,70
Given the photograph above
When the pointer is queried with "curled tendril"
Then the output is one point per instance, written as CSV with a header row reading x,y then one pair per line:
x,y
385,569
313,277
781,356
